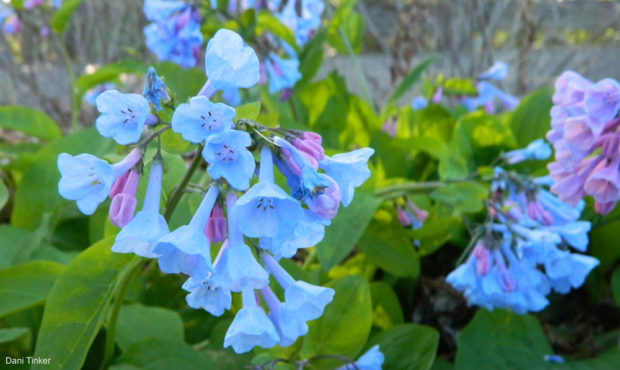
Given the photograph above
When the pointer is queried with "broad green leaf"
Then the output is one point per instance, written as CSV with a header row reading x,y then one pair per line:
x,y
61,17
531,119
29,121
387,245
502,340
615,285
183,82
311,57
26,285
12,240
10,334
248,111
459,86
77,304
347,228
408,346
162,354
108,73
465,197
351,27
606,360
137,322
345,324
387,311
409,80
174,143
435,232
37,192
268,22
4,194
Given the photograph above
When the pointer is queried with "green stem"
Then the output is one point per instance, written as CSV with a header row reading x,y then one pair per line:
x,y
359,74
310,259
75,103
121,289
396,191
178,191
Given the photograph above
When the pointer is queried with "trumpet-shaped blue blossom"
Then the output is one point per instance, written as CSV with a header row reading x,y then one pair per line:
x,y
229,63
536,150
208,295
187,249
232,97
88,179
530,252
419,102
122,116
177,39
309,232
266,210
498,71
251,327
306,300
283,73
154,89
228,157
200,118
349,170
370,360
288,324
148,225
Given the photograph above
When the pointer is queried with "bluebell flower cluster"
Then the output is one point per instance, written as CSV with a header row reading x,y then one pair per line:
x,y
175,33
236,208
488,93
527,249
584,133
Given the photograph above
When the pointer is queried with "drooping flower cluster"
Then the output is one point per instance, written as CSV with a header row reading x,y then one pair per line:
x,y
235,209
175,33
487,92
585,136
526,249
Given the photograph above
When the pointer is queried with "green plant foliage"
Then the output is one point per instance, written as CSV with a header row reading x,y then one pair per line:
x,y
77,305
29,121
61,17
408,346
341,236
531,119
346,322
26,285
508,340
137,322
161,354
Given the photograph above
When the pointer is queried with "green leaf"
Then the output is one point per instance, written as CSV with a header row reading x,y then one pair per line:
x,y
26,285
459,86
311,57
408,346
346,322
29,121
502,340
12,241
435,232
347,228
10,334
77,304
182,82
352,27
411,79
174,143
137,322
465,197
387,245
4,194
531,119
385,305
108,73
606,360
61,17
267,22
615,285
248,111
164,354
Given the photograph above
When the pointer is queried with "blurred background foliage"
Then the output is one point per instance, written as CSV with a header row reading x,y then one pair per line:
x,y
388,291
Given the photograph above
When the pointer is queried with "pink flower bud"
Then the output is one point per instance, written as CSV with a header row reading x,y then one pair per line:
x,y
482,260
326,204
118,185
215,229
124,201
604,208
403,217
